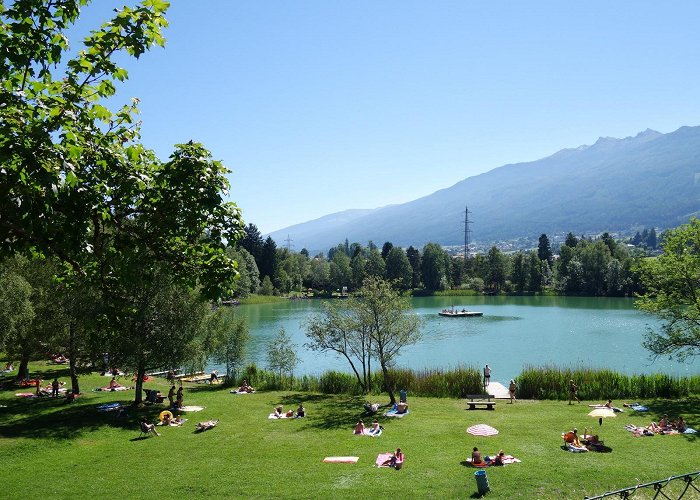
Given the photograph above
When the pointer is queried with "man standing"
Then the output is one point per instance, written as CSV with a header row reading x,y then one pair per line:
x,y
487,376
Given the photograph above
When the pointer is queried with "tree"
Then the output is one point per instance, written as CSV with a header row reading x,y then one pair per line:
x,y
281,354
390,328
341,273
536,278
386,248
375,265
266,287
435,267
231,336
76,182
571,240
398,269
252,241
248,274
340,329
157,323
672,282
415,260
268,260
544,250
16,313
497,264
520,273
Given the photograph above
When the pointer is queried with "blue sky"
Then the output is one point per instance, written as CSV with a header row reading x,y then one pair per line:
x,y
322,106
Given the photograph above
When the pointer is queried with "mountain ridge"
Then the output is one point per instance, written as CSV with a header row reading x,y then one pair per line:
x,y
614,184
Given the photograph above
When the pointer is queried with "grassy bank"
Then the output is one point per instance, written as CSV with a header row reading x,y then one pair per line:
x,y
78,451
262,299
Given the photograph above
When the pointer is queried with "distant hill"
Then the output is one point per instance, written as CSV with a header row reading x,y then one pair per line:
x,y
649,180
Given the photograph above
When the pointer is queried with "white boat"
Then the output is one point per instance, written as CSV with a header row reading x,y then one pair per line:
x,y
451,313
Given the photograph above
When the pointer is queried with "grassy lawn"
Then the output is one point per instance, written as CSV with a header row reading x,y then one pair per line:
x,y
50,448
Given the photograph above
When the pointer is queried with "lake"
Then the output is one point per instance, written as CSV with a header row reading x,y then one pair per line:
x,y
514,332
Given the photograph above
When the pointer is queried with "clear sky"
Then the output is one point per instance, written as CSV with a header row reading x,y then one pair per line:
x,y
321,106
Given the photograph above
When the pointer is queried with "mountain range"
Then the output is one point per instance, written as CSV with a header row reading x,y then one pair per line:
x,y
649,180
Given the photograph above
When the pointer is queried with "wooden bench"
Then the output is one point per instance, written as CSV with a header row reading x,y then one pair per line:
x,y
481,401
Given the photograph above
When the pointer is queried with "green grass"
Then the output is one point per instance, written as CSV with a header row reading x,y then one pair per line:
x,y
49,448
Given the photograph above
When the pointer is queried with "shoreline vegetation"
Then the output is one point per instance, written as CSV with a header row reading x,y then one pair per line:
x,y
534,382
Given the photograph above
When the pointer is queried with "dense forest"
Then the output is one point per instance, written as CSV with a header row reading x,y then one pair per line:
x,y
598,266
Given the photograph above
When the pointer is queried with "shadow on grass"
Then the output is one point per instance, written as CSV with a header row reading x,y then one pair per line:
x,y
327,411
71,421
687,407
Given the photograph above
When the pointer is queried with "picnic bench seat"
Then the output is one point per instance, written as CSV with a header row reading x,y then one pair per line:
x,y
481,401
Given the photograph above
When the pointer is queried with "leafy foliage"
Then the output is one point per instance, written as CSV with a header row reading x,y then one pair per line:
x,y
673,293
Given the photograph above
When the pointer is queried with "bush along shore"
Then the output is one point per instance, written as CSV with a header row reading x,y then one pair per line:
x,y
535,382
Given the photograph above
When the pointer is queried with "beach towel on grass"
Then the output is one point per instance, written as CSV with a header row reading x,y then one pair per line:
x,y
572,447
341,460
112,389
109,407
236,391
394,413
507,459
26,395
273,416
176,422
382,459
367,432
191,408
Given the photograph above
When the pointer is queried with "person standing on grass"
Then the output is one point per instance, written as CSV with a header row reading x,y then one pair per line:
x,y
171,396
179,397
511,391
487,376
573,391
54,388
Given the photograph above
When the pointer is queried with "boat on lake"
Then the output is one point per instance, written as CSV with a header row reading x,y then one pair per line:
x,y
453,313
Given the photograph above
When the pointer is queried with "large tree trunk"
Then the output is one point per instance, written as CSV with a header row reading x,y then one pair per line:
x,y
387,384
140,372
23,371
72,359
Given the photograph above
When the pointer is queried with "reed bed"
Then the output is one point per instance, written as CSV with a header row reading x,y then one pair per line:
x,y
551,382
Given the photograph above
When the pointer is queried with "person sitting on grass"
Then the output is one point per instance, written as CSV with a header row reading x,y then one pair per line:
x,y
396,459
680,424
376,428
476,457
301,412
278,411
245,387
113,384
572,438
371,408
148,428
402,408
498,461
359,427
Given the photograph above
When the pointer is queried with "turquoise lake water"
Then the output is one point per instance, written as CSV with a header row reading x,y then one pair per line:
x,y
514,332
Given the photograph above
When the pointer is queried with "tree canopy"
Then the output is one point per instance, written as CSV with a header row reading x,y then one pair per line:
x,y
75,181
672,281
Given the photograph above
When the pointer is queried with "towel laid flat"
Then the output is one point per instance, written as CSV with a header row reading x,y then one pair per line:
x,y
341,460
